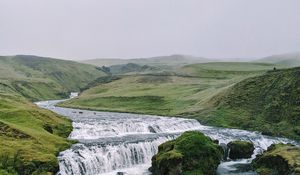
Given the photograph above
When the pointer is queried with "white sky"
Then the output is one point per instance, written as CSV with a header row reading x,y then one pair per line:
x,y
85,29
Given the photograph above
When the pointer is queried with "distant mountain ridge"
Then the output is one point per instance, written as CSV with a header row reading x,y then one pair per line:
x,y
289,59
172,60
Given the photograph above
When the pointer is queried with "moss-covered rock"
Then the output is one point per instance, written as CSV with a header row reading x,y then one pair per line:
x,y
191,153
240,149
279,159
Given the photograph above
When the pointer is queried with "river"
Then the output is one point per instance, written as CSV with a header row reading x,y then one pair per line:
x,y
122,143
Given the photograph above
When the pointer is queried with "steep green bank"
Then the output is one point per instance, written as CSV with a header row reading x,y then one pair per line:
x,y
190,154
269,103
45,78
30,137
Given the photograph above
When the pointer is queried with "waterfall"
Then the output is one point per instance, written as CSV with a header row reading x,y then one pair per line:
x,y
84,159
121,142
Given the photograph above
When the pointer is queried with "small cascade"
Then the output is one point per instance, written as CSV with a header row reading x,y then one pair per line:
x,y
122,142
103,124
84,159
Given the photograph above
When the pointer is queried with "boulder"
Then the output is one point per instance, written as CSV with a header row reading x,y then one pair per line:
x,y
240,149
191,153
279,159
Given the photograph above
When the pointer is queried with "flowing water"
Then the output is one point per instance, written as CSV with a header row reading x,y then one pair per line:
x,y
123,143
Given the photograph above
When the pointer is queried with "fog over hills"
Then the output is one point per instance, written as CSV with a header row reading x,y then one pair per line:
x,y
288,59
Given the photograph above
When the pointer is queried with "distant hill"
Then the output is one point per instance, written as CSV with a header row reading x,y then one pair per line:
x,y
44,78
289,60
132,68
160,61
269,103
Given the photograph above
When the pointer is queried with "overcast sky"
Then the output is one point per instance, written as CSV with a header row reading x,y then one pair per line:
x,y
85,29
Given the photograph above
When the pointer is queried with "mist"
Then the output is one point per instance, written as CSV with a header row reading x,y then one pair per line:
x,y
138,28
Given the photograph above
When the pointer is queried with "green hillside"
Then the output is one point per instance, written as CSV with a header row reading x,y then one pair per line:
x,y
43,78
168,93
269,103
132,68
30,137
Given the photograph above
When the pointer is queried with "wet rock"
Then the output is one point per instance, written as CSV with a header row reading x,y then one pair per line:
x,y
225,150
216,141
240,149
121,173
279,159
151,129
191,153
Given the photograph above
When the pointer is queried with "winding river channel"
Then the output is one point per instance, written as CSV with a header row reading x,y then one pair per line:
x,y
123,143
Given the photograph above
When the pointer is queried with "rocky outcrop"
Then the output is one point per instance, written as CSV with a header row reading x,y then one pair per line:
x,y
191,153
240,149
279,159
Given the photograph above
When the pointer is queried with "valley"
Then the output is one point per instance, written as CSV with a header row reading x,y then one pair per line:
x,y
255,96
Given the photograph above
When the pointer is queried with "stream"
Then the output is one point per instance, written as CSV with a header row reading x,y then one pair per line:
x,y
122,143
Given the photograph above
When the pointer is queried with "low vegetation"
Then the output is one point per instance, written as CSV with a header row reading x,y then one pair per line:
x,y
191,153
43,78
279,159
169,93
267,103
30,137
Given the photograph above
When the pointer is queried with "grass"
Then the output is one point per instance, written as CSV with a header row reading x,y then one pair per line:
x,y
44,78
267,103
30,137
35,135
186,90
247,96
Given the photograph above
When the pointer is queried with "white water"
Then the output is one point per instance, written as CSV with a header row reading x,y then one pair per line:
x,y
122,142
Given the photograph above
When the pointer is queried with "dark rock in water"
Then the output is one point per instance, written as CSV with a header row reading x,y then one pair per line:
x,y
216,141
120,173
240,149
151,129
191,153
80,112
279,159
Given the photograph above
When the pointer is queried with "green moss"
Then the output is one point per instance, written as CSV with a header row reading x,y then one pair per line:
x,y
240,149
279,159
191,153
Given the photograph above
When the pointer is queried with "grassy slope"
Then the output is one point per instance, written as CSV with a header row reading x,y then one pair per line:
x,y
187,90
22,135
32,135
267,103
44,78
